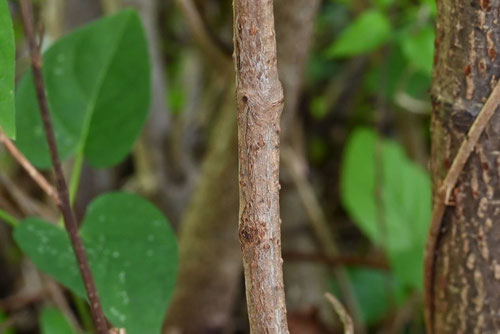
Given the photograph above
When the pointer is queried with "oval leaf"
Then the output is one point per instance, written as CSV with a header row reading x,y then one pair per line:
x,y
367,32
7,69
98,86
399,218
132,253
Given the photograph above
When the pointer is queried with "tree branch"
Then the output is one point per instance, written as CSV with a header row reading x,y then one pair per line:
x,y
259,97
62,188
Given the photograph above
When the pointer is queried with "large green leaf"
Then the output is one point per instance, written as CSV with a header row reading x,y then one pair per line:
x,y
364,34
7,70
397,216
132,253
54,322
98,86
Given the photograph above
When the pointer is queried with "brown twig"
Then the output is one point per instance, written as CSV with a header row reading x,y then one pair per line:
x,y
443,194
259,97
341,312
62,188
338,261
29,168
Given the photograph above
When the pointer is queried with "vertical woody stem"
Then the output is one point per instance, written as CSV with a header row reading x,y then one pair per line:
x,y
260,103
62,188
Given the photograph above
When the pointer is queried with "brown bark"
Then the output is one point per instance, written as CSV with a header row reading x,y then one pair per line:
x,y
465,280
259,97
209,285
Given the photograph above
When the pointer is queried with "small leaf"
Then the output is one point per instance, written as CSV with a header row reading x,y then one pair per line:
x,y
366,33
132,253
7,71
98,86
397,216
418,48
54,322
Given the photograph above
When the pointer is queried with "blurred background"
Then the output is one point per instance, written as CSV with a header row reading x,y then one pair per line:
x,y
355,195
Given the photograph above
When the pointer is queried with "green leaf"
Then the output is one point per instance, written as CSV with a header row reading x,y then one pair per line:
x,y
418,48
7,71
132,253
54,322
98,86
398,218
358,181
366,33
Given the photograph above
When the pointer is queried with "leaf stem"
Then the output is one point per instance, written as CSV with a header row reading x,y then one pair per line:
x,y
8,218
62,188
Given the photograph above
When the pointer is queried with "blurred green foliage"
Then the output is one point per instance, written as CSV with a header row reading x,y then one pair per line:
x,y
389,198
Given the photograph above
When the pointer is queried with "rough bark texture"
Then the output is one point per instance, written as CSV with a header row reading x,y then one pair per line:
x,y
209,285
466,284
259,97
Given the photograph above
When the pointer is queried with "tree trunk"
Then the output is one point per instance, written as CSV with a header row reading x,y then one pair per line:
x,y
259,97
465,285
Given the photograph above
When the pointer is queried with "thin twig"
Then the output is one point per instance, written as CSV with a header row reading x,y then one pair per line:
x,y
29,168
62,188
443,194
342,313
